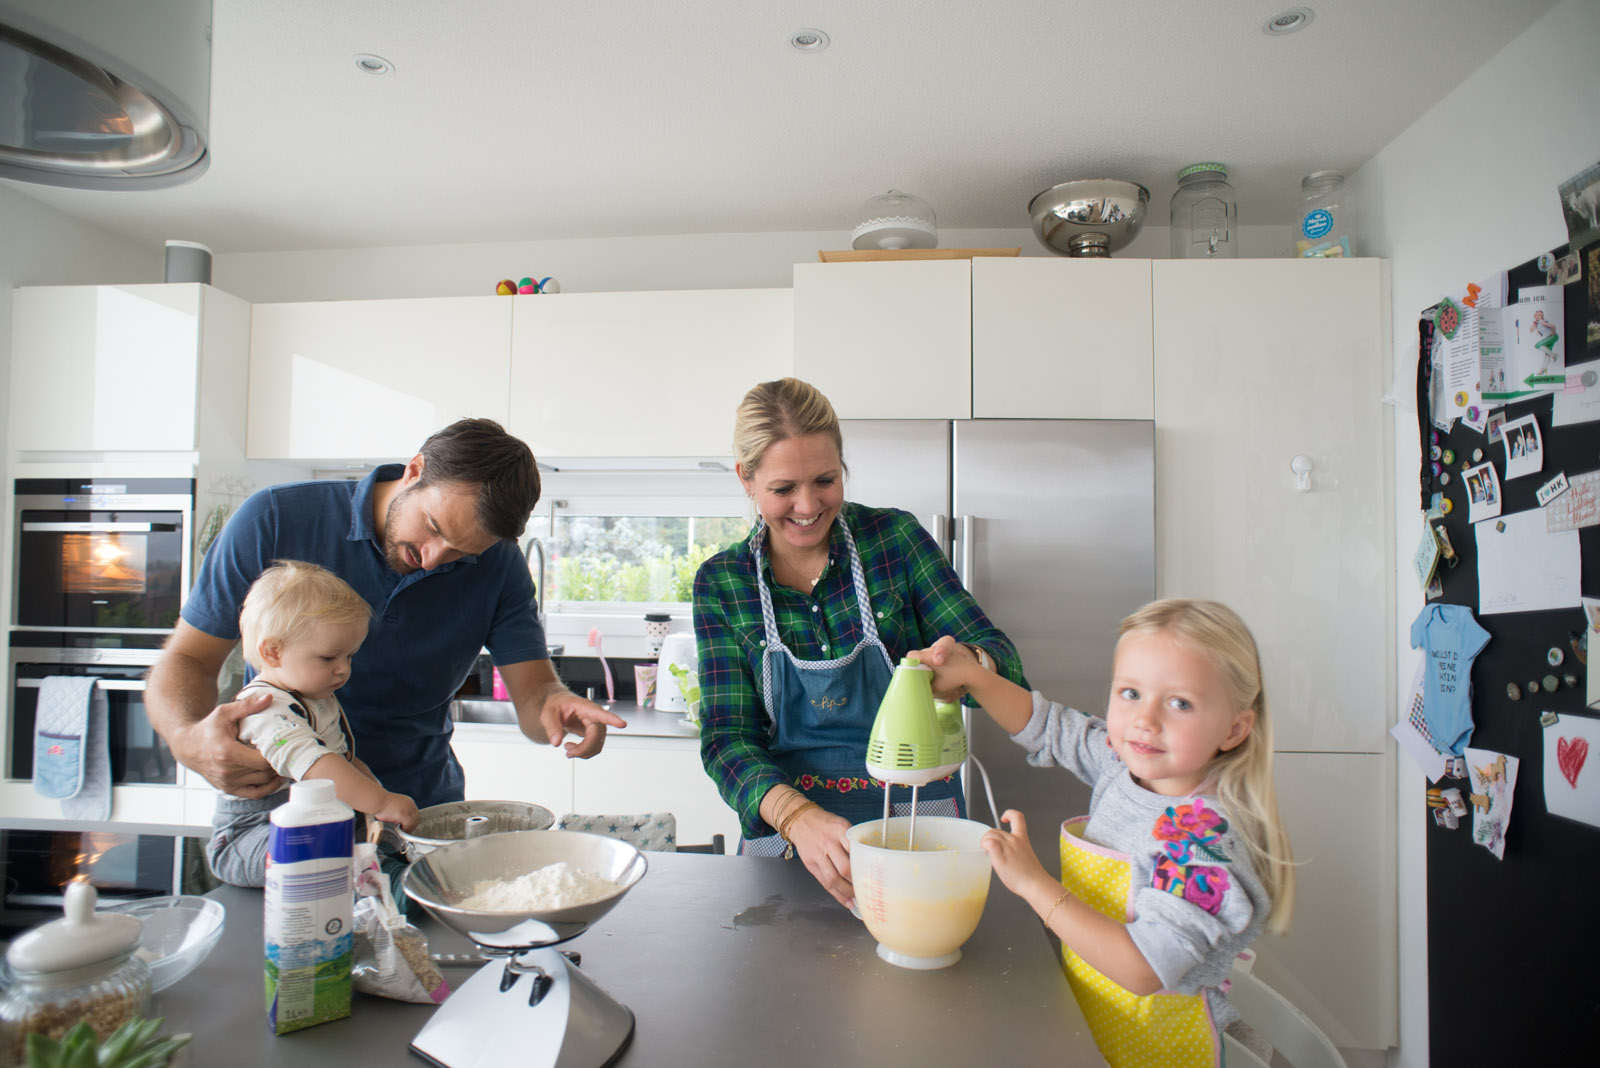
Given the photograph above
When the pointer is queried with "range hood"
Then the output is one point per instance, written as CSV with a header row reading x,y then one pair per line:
x,y
104,94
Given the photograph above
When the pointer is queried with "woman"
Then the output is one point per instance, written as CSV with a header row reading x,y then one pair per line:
x,y
799,627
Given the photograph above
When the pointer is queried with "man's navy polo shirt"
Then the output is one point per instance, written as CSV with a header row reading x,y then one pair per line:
x,y
427,627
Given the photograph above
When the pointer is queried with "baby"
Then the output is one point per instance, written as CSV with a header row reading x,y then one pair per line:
x,y
300,626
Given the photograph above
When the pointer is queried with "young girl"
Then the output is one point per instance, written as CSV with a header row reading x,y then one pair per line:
x,y
1182,860
301,625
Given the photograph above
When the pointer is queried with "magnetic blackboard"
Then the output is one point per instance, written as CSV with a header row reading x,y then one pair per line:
x,y
1514,944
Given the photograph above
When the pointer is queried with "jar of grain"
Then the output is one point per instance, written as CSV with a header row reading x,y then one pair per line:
x,y
83,966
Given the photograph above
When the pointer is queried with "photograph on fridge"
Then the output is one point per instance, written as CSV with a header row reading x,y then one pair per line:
x,y
1483,493
1523,447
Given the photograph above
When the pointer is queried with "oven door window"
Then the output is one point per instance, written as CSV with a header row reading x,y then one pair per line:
x,y
138,755
100,569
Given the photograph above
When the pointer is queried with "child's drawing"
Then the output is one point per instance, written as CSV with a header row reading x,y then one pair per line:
x,y
1493,776
1572,768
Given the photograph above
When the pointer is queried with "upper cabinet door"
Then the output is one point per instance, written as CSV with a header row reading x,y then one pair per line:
x,y
371,379
1257,362
1061,339
105,368
886,340
643,374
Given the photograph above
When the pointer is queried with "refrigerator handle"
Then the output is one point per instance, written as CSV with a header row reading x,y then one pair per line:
x,y
964,526
940,526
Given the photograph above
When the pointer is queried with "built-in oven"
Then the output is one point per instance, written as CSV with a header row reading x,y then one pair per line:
x,y
123,864
138,755
102,554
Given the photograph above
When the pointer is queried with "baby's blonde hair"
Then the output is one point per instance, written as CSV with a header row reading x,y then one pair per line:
x,y
1242,775
288,600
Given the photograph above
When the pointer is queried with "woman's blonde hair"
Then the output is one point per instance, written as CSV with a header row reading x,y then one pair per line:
x,y
777,411
1242,776
289,599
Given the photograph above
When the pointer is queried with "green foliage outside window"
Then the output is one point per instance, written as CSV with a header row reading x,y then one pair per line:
x,y
634,558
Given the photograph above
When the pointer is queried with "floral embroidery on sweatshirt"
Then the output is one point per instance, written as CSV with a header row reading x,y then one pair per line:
x,y
1191,834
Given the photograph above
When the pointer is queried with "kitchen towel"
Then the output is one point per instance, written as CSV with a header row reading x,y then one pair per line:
x,y
71,754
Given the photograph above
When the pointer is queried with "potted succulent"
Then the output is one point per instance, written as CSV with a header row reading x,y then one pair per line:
x,y
133,1045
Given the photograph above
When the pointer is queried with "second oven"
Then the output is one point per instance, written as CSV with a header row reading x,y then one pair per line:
x,y
138,755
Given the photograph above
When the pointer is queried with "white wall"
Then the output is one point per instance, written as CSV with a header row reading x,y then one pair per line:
x,y
619,264
1448,210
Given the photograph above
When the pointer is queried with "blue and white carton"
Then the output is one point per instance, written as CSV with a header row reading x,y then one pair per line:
x,y
308,903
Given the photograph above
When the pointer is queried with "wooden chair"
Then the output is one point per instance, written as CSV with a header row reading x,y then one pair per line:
x,y
1293,1036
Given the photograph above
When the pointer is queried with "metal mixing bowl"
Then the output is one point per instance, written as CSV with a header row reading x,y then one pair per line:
x,y
1090,216
440,825
448,874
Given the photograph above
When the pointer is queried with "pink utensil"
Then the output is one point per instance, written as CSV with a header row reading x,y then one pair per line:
x,y
594,643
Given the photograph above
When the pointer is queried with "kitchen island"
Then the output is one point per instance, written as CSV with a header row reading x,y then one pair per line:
x,y
724,961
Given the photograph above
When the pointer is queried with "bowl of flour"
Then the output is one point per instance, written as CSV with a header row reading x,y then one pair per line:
x,y
564,879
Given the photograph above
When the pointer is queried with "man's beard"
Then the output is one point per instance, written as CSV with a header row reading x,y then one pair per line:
x,y
393,548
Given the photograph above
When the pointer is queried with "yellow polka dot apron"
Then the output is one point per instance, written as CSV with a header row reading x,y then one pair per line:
x,y
1163,1030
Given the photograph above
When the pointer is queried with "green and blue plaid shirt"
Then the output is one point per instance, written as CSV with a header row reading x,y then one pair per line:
x,y
915,595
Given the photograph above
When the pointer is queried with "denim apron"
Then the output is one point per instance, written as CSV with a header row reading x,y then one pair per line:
x,y
821,712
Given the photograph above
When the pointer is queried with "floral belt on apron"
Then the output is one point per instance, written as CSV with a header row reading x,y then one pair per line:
x,y
1132,1031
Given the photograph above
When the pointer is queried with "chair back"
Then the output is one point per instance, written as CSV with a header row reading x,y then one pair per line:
x,y
1291,1032
656,831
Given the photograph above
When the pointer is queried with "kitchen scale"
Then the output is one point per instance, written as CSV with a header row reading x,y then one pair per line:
x,y
531,1004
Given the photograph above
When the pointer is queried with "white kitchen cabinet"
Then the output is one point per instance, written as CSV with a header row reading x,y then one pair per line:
x,y
1257,362
371,379
886,340
118,368
1340,961
642,374
501,764
645,774
1061,338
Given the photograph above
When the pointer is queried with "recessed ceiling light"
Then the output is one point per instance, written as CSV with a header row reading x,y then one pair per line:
x,y
367,63
808,40
1296,18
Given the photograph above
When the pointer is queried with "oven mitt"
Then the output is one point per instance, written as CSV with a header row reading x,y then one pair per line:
x,y
71,757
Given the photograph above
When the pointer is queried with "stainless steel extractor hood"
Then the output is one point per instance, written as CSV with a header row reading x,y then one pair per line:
x,y
104,94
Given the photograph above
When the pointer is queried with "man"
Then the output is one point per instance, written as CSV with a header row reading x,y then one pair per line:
x,y
431,547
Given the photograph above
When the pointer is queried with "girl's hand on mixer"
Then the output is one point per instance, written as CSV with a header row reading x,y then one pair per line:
x,y
1014,859
819,837
952,664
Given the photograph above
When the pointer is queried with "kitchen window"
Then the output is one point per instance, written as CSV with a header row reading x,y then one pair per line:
x,y
620,552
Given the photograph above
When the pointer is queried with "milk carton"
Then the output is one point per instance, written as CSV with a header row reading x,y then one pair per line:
x,y
308,900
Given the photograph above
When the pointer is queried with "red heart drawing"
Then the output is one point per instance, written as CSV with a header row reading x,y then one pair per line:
x,y
1570,754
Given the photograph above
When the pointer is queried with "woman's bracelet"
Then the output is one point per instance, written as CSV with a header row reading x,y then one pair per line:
x,y
985,661
789,820
784,804
1062,900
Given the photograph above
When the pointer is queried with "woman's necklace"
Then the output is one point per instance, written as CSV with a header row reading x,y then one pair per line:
x,y
795,577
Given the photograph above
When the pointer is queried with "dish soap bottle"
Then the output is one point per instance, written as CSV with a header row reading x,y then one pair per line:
x,y
1325,220
1205,215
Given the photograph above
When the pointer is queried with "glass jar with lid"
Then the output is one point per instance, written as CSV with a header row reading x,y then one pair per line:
x,y
1205,215
83,966
1325,225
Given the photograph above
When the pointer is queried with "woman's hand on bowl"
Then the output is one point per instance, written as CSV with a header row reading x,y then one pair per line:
x,y
819,837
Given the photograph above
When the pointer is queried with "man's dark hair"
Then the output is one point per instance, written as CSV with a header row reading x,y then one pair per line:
x,y
479,451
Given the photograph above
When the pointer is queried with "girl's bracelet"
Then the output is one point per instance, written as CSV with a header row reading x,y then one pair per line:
x,y
1062,900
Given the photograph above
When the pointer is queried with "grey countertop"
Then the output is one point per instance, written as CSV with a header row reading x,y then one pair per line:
x,y
724,961
491,718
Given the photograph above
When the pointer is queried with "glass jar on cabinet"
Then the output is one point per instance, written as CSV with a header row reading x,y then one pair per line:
x,y
1324,226
1205,215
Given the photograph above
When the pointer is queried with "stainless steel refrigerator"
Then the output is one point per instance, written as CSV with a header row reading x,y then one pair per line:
x,y
1051,524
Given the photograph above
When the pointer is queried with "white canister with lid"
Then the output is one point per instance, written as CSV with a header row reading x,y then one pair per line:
x,y
84,966
679,650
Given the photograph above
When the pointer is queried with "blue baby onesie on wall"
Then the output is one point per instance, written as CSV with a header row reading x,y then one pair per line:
x,y
1452,638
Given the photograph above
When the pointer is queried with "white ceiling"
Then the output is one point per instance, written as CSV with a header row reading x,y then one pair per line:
x,y
516,120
